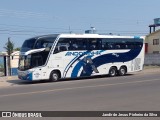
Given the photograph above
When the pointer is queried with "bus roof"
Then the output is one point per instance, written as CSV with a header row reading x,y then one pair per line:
x,y
71,35
43,36
96,36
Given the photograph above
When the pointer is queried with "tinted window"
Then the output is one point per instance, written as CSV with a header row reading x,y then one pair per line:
x,y
70,44
45,42
78,44
28,45
63,45
128,43
94,44
121,43
107,44
138,43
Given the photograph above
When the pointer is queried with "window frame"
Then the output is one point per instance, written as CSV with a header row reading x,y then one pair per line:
x,y
155,41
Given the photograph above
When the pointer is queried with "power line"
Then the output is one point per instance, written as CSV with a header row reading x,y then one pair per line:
x,y
42,33
22,26
45,30
25,14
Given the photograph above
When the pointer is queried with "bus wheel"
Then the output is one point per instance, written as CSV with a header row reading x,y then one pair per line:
x,y
112,72
122,71
54,76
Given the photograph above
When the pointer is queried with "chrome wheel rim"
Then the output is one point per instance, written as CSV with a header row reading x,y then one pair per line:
x,y
55,76
112,72
122,71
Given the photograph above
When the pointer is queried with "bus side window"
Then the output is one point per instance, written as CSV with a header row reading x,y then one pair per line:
x,y
63,48
37,60
138,43
62,45
118,46
78,44
111,46
94,44
104,44
74,44
108,44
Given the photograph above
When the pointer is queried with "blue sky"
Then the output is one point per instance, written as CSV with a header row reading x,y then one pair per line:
x,y
22,19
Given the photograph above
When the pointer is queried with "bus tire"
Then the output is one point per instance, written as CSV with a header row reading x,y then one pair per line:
x,y
122,71
112,71
55,76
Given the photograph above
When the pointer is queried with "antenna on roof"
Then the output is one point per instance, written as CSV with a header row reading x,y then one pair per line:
x,y
70,30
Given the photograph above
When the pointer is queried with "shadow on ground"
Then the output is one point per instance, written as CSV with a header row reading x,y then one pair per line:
x,y
23,82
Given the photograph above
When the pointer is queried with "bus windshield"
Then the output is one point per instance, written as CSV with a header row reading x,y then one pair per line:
x,y
28,45
24,62
33,60
38,42
44,43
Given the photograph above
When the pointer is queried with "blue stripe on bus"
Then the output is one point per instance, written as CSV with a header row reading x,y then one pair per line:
x,y
76,58
68,66
76,69
79,65
107,58
110,58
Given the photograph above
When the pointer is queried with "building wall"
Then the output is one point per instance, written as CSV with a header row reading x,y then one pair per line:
x,y
14,62
152,59
149,39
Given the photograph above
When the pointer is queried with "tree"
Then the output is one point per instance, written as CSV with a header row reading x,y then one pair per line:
x,y
9,46
17,49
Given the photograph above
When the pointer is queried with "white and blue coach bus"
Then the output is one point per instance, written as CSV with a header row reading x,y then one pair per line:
x,y
52,57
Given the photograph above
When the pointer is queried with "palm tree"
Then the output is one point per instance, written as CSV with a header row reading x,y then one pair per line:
x,y
9,46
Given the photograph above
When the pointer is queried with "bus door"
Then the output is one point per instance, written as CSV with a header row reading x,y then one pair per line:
x,y
59,54
37,61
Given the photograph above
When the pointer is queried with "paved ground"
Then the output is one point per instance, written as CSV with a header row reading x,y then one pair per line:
x,y
134,92
8,81
14,81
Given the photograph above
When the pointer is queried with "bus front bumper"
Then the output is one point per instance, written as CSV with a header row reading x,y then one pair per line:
x,y
25,75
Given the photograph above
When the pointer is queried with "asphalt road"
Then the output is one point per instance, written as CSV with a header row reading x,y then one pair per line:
x,y
134,92
127,93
